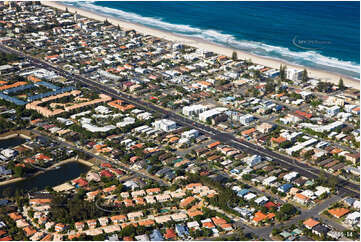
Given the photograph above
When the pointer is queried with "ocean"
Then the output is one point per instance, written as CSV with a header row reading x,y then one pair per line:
x,y
322,35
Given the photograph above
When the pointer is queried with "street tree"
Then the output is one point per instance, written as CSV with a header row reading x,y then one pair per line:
x,y
304,76
283,72
341,85
234,56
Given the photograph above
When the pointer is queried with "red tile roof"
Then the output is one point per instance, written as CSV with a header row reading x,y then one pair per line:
x,y
169,234
7,238
259,216
339,212
81,182
106,173
104,165
214,144
303,114
310,223
128,238
218,221
270,204
208,225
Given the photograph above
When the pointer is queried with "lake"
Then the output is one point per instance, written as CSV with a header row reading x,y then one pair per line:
x,y
50,178
11,142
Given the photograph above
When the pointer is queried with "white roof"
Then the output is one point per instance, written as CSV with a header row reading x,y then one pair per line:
x,y
102,109
142,237
269,179
236,188
166,122
192,224
261,199
307,193
249,196
353,216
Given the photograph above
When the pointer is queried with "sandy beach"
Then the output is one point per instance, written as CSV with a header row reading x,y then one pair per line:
x,y
202,44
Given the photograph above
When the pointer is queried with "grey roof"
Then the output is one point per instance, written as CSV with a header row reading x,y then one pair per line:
x,y
47,85
181,230
156,235
19,88
47,94
350,200
11,99
321,229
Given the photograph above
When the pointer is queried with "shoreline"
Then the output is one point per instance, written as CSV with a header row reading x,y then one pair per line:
x,y
14,134
207,45
18,179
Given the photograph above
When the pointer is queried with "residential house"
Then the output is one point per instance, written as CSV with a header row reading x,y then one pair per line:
x,y
302,199
310,223
92,224
146,223
353,157
338,212
117,219
143,237
103,221
152,191
79,226
156,235
162,219
320,230
186,201
353,218
139,193
181,230
59,227
261,200
162,197
261,217
193,225
285,188
207,223
170,234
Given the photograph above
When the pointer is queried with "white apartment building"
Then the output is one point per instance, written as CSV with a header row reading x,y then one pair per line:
x,y
165,125
293,74
211,113
193,133
194,110
246,119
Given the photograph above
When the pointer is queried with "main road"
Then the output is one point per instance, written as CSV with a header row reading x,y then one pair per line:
x,y
344,187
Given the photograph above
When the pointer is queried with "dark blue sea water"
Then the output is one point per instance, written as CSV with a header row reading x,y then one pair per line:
x,y
324,35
